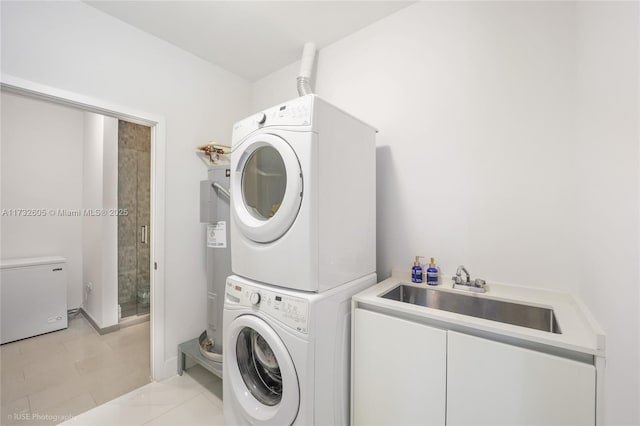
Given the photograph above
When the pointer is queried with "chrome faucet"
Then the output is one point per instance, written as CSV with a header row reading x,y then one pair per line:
x,y
459,272
478,285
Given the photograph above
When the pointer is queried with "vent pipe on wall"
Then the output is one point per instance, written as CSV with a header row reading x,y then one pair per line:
x,y
306,68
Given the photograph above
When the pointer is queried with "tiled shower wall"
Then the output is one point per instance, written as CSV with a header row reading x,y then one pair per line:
x,y
134,178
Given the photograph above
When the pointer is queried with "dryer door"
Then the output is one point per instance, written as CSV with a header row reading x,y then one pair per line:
x,y
266,187
262,375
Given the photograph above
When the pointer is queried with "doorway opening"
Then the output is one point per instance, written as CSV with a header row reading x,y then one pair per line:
x,y
160,367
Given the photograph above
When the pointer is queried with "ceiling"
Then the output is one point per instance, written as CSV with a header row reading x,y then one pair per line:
x,y
249,38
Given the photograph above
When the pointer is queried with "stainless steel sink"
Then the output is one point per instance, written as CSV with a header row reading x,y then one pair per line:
x,y
494,310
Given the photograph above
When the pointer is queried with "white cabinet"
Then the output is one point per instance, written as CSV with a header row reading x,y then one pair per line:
x,y
399,371
409,373
492,383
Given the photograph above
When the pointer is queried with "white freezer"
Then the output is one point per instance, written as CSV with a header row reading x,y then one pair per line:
x,y
33,297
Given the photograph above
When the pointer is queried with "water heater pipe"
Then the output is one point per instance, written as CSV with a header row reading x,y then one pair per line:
x,y
306,69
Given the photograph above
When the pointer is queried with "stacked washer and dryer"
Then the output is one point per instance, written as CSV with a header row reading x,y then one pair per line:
x,y
303,241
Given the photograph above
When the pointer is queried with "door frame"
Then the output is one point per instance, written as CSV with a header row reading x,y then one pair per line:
x,y
157,191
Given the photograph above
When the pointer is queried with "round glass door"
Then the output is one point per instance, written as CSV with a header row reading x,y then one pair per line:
x,y
259,367
264,182
266,187
262,375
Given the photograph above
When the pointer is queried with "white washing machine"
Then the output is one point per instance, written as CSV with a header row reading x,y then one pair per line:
x,y
303,196
287,354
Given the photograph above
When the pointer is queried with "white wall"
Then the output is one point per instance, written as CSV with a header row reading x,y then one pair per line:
x,y
41,168
110,222
474,113
509,143
100,233
71,46
608,167
92,231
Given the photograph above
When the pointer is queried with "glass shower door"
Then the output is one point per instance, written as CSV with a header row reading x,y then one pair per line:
x,y
134,234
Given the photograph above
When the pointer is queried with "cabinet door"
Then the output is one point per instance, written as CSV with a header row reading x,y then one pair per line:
x,y
399,375
492,383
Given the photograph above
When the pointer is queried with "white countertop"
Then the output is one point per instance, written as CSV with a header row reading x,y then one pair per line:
x,y
579,330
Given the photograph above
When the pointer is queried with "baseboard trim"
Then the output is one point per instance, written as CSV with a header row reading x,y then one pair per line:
x,y
133,320
93,323
168,369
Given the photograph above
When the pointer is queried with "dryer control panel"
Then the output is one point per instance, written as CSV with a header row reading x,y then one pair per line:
x,y
296,112
289,310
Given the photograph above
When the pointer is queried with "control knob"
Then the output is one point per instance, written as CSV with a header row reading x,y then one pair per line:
x,y
261,117
254,298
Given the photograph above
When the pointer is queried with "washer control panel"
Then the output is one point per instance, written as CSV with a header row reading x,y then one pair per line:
x,y
291,311
296,112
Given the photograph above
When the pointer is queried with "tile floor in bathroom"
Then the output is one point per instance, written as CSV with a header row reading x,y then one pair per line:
x,y
47,379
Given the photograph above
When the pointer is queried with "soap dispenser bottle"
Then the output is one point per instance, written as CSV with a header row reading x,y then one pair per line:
x,y
416,271
433,274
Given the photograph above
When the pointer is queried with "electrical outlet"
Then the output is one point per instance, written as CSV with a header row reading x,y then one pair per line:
x,y
89,287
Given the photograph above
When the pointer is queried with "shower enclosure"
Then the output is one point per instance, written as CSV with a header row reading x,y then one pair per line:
x,y
134,179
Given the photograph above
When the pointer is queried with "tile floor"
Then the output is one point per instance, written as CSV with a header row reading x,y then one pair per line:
x,y
195,398
47,379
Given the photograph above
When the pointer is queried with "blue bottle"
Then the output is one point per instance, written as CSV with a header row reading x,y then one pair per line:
x,y
433,274
416,271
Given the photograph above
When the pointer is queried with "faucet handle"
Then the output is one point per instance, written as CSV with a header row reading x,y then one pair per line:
x,y
479,282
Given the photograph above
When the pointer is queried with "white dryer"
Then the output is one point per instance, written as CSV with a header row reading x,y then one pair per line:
x,y
303,196
287,354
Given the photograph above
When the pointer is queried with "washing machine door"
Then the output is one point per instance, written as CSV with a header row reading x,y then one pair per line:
x,y
266,187
262,375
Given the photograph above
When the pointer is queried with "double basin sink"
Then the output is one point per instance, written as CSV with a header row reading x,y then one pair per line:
x,y
534,317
